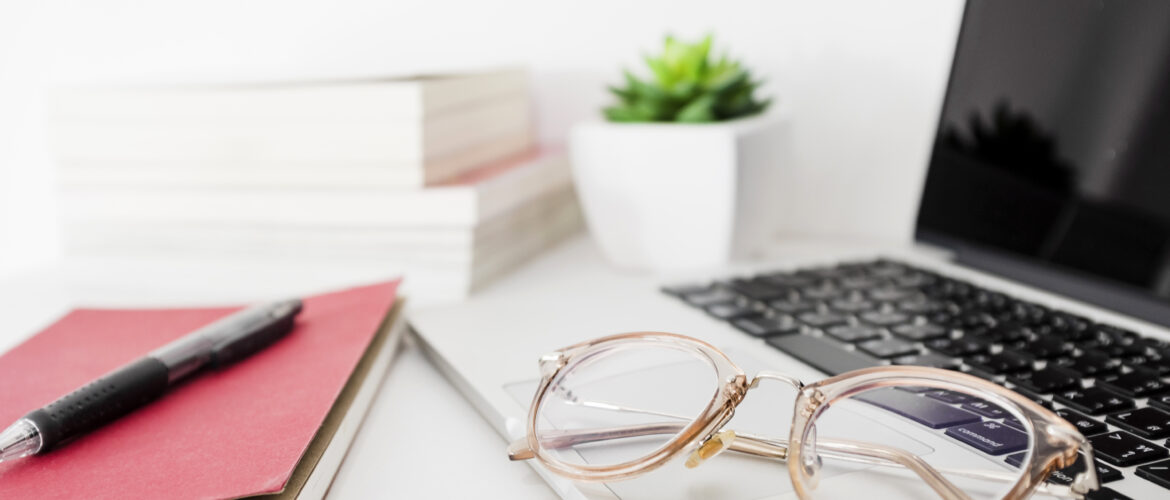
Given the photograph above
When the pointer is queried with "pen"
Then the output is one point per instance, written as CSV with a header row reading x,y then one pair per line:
x,y
125,389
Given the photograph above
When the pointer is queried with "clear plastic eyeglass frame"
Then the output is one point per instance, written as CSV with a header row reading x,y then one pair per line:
x,y
1055,442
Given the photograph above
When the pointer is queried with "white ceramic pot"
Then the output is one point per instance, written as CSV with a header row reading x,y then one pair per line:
x,y
680,196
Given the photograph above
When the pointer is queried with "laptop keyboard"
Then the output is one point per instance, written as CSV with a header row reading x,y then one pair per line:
x,y
1108,381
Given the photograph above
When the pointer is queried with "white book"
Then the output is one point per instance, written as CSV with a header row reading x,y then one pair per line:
x,y
436,127
388,142
409,98
450,246
443,264
288,174
474,197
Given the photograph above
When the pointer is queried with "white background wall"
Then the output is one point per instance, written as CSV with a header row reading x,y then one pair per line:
x,y
862,80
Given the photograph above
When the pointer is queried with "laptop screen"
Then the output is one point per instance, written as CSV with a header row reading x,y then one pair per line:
x,y
1052,158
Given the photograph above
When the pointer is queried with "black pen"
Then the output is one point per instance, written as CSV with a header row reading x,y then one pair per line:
x,y
125,389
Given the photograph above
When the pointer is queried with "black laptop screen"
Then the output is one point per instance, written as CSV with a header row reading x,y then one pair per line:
x,y
1054,142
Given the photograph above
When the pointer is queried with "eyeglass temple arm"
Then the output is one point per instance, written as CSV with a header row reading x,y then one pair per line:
x,y
852,451
751,445
519,449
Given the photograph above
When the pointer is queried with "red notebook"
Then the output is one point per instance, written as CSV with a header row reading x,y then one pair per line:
x,y
235,432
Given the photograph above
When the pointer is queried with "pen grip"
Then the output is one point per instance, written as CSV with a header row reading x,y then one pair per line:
x,y
100,401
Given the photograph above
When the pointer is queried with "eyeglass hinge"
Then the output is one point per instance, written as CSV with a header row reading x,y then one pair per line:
x,y
551,362
815,399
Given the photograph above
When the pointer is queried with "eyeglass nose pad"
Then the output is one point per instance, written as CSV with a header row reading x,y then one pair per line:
x,y
811,460
714,445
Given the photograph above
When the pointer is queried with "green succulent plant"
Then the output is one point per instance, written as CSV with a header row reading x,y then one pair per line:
x,y
687,85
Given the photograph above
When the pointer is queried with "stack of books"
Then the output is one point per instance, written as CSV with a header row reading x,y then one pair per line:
x,y
437,177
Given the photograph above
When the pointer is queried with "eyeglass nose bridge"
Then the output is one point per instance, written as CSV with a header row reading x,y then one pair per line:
x,y
718,441
794,382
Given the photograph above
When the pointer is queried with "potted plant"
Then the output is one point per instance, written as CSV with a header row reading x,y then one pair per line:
x,y
679,175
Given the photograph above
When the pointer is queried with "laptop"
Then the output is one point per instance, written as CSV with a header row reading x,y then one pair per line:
x,y
1042,263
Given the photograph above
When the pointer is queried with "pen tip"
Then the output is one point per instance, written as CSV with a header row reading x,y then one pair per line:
x,y
19,440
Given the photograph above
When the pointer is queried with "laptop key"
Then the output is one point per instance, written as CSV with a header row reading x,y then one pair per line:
x,y
710,297
1123,449
915,280
1093,401
821,354
1047,381
859,283
764,327
1161,401
1069,325
1157,359
1001,334
1029,313
1002,363
1157,472
981,321
928,359
822,320
1090,364
1136,384
1047,347
985,409
792,306
888,348
1105,494
992,438
1086,425
851,305
854,333
1065,476
948,397
728,312
821,292
756,290
1014,423
884,318
892,294
920,332
960,347
1035,398
925,411
1150,423
919,306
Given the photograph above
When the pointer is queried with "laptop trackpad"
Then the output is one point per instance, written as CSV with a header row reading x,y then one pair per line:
x,y
767,411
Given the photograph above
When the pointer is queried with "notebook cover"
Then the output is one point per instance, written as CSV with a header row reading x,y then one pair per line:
x,y
235,432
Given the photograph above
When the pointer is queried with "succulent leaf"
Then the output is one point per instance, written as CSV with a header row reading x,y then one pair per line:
x,y
687,84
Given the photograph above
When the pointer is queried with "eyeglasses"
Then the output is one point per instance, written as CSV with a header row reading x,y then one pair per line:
x,y
621,406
